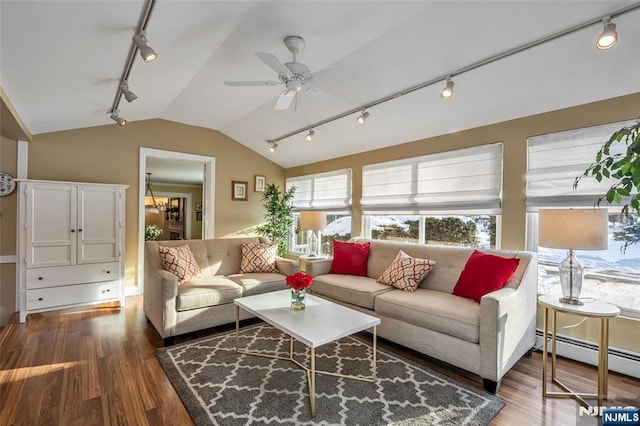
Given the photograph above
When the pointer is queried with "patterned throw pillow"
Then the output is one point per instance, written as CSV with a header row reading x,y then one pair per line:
x,y
406,272
258,257
180,262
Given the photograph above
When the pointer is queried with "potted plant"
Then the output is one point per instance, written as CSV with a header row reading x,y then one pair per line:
x,y
278,217
624,169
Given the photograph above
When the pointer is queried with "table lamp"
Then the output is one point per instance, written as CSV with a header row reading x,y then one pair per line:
x,y
573,229
314,222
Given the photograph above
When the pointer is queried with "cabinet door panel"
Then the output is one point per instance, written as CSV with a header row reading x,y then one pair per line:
x,y
51,225
98,224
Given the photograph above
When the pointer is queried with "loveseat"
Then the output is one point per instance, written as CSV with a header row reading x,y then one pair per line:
x,y
485,338
207,301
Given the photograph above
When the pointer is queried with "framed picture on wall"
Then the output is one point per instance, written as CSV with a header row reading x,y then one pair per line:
x,y
239,190
198,206
199,216
260,183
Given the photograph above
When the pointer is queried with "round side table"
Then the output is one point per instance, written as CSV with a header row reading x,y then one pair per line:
x,y
596,309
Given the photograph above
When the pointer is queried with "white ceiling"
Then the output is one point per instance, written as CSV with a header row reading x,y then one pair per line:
x,y
60,63
172,171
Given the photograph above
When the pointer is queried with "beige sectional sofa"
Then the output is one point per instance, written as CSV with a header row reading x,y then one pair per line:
x,y
207,301
485,338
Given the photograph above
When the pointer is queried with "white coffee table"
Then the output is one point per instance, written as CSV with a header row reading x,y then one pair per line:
x,y
319,323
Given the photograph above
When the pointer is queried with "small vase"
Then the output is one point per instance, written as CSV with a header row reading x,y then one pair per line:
x,y
298,300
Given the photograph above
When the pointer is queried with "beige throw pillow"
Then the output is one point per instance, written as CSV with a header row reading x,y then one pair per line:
x,y
406,272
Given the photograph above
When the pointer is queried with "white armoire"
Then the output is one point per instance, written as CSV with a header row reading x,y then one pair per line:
x,y
70,245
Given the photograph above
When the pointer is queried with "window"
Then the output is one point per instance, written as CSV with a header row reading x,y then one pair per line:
x,y
329,192
450,198
554,161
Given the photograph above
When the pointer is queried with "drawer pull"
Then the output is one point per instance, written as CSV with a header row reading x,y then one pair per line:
x,y
80,230
40,278
107,290
73,230
108,272
40,299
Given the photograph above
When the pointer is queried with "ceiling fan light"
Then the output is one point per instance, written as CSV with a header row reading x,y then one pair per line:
x,y
362,118
609,37
447,91
115,117
128,94
310,135
147,53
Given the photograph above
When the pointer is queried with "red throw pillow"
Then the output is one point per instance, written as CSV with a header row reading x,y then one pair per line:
x,y
483,274
350,258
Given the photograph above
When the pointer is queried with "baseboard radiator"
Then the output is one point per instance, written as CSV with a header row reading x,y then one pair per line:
x,y
620,360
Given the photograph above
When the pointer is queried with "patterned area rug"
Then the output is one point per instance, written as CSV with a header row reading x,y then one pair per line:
x,y
220,387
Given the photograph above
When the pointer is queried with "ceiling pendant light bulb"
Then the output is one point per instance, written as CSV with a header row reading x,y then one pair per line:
x,y
147,53
128,94
115,117
310,135
362,118
273,147
608,38
447,91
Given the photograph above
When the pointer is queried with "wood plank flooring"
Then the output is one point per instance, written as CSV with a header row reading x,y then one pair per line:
x,y
97,366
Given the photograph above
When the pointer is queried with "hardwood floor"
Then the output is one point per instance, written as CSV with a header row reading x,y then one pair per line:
x,y
98,367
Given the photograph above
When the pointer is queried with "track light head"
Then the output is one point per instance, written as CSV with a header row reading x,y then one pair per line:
x,y
447,91
147,53
310,135
362,118
609,37
128,94
115,117
273,146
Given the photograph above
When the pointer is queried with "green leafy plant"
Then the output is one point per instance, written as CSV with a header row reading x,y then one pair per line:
x,y
451,230
624,169
151,232
278,217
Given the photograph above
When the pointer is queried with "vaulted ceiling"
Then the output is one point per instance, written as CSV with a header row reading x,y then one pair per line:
x,y
60,62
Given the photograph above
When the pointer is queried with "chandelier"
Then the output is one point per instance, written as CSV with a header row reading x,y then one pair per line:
x,y
156,207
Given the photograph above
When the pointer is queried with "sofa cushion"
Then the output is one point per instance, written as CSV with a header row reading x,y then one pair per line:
x,y
483,274
258,257
350,258
180,262
435,310
258,282
406,272
206,291
359,291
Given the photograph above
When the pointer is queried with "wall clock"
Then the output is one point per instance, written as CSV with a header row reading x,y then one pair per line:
x,y
7,184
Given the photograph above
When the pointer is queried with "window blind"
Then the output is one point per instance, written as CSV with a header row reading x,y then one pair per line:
x,y
322,191
462,181
556,159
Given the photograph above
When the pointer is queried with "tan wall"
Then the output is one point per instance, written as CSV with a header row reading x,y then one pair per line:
x,y
196,197
110,154
8,211
513,134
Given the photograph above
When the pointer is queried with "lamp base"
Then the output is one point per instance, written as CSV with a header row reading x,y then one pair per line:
x,y
571,301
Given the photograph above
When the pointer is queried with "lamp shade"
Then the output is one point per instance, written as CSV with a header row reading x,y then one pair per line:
x,y
573,229
312,221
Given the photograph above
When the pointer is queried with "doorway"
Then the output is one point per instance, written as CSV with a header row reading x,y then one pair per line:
x,y
208,197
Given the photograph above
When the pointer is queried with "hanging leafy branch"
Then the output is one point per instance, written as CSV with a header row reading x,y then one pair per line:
x,y
278,217
624,168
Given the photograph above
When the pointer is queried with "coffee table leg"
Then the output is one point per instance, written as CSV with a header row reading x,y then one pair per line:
x,y
312,382
237,326
373,361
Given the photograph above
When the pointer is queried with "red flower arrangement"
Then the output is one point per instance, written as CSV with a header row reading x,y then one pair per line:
x,y
299,281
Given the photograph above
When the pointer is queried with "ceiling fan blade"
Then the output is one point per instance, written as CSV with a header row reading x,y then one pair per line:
x,y
274,63
251,83
284,100
325,75
330,99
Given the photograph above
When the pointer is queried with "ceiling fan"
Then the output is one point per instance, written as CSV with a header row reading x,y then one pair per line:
x,y
294,75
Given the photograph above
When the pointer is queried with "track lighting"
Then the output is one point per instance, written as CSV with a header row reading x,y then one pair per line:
x,y
115,117
273,147
362,117
609,36
147,53
310,135
447,91
128,94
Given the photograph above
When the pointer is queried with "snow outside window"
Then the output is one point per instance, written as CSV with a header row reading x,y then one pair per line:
x,y
338,227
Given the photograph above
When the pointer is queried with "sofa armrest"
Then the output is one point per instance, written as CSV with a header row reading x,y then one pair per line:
x,y
287,266
507,324
160,293
318,267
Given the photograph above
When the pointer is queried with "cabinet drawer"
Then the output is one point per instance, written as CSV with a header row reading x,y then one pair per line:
x,y
72,294
65,275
